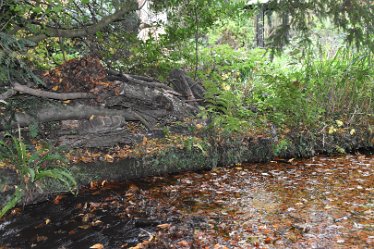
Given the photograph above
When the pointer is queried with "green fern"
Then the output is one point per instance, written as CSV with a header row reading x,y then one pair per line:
x,y
34,166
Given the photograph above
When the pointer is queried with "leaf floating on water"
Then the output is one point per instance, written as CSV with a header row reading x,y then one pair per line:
x,y
143,244
340,241
97,246
41,238
218,246
84,227
164,226
183,243
267,240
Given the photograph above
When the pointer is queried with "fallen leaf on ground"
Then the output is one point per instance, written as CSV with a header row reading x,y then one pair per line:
x,y
97,246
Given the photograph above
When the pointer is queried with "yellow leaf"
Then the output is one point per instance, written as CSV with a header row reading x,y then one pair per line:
x,y
108,158
47,221
226,87
92,117
331,130
339,123
199,126
97,246
352,132
55,88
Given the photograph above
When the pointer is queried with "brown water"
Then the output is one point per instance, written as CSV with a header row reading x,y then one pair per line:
x,y
322,202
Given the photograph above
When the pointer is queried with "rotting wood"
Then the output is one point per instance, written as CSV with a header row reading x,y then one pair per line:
x,y
74,112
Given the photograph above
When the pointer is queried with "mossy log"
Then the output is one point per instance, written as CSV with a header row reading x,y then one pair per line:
x,y
230,151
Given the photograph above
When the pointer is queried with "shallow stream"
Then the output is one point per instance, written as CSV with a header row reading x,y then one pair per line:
x,y
321,202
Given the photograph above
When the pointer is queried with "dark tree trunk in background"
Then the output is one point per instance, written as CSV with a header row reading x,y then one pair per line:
x,y
260,29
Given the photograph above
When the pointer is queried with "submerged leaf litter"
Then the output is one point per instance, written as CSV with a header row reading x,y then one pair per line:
x,y
321,202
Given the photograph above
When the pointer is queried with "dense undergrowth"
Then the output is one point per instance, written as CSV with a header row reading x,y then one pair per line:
x,y
306,89
308,86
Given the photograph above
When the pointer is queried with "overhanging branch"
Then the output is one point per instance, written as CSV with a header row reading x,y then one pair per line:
x,y
89,30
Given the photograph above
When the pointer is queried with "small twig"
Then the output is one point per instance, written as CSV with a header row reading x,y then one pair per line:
x,y
173,92
194,100
51,95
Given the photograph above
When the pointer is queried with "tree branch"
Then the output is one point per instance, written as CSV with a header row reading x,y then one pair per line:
x,y
92,29
51,95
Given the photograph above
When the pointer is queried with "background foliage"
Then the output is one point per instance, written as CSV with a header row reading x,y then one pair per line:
x,y
315,79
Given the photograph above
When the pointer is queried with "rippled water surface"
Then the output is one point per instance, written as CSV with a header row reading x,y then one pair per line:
x,y
322,202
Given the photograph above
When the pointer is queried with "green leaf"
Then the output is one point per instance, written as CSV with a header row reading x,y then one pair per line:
x,y
17,196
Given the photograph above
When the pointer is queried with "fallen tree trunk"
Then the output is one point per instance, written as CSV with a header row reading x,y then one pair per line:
x,y
229,151
67,112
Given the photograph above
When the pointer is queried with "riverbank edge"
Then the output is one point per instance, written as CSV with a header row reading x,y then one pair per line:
x,y
205,155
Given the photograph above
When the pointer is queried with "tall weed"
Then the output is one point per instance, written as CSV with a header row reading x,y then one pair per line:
x,y
318,91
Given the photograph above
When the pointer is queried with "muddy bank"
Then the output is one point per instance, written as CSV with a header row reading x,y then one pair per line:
x,y
205,153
